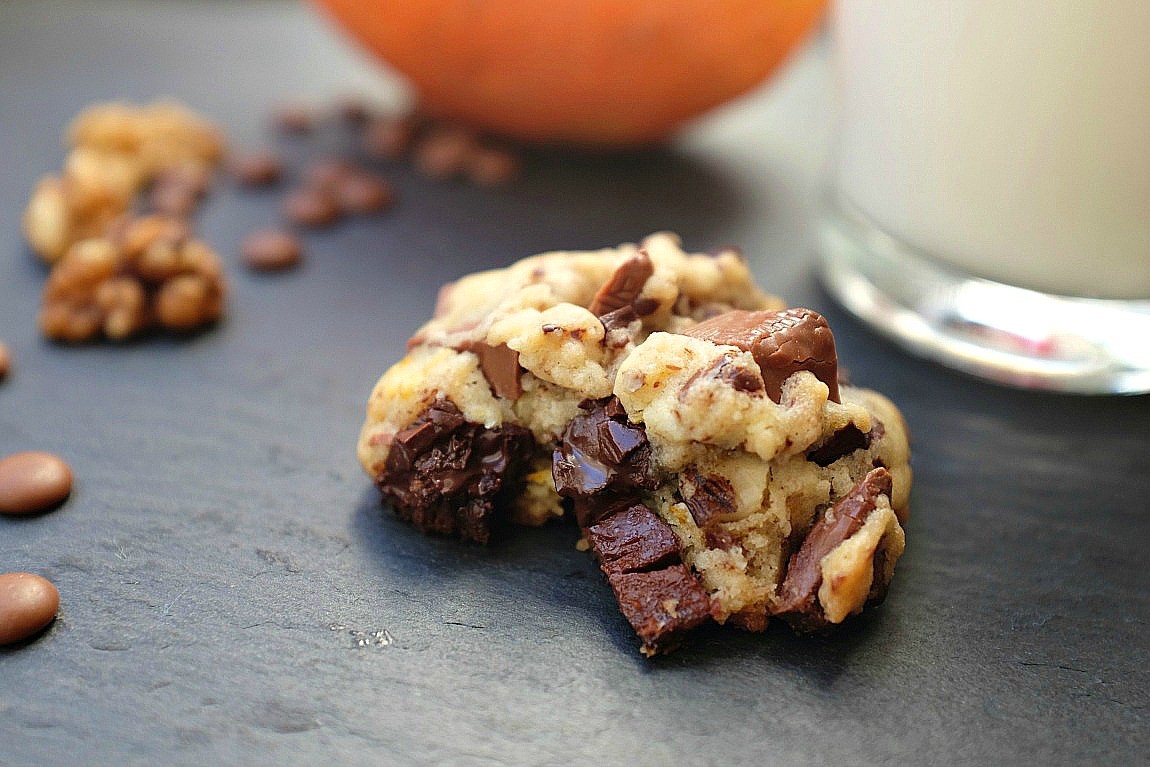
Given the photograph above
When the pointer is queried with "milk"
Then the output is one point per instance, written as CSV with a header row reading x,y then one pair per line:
x,y
1008,138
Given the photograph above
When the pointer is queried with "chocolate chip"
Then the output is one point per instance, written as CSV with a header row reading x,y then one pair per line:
x,y
256,169
444,151
449,476
327,173
294,119
633,540
492,166
271,250
661,604
798,593
33,482
782,343
28,603
624,286
388,137
5,360
361,192
500,365
311,207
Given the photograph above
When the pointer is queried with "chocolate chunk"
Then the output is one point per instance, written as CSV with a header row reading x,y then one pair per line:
x,y
782,344
617,304
798,593
500,365
661,604
633,540
840,444
602,460
447,475
711,496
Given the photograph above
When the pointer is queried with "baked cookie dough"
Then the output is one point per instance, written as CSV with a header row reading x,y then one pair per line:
x,y
695,427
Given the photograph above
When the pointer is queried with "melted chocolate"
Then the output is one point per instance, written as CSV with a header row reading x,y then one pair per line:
x,y
449,476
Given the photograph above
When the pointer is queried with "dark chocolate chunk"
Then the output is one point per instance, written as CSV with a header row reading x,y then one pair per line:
x,y
500,365
782,344
840,444
661,604
633,540
711,497
602,460
798,593
447,475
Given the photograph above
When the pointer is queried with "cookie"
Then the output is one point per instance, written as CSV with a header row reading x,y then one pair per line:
x,y
695,428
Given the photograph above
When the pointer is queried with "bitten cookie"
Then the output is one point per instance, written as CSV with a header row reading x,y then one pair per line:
x,y
695,428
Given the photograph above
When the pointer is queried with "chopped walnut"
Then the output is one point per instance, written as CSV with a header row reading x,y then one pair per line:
x,y
117,151
148,273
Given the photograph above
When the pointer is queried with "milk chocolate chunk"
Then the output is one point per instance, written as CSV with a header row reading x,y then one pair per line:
x,y
661,604
798,593
500,365
603,461
32,482
782,343
449,476
28,603
617,304
633,540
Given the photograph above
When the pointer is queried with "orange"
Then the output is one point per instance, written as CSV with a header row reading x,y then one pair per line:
x,y
600,73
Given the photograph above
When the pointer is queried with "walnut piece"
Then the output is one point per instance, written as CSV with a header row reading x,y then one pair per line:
x,y
118,151
148,273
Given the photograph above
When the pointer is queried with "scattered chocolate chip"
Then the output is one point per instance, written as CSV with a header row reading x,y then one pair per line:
x,y
443,152
492,166
388,138
661,604
448,476
294,119
500,365
311,207
798,593
271,250
352,110
33,482
257,169
362,192
842,443
782,343
327,173
5,360
28,603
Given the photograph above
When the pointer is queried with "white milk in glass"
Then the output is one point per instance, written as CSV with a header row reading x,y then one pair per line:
x,y
1008,138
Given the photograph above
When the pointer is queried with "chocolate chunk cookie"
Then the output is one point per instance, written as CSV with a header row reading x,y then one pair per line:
x,y
694,426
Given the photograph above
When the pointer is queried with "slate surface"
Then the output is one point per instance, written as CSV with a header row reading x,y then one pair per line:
x,y
233,594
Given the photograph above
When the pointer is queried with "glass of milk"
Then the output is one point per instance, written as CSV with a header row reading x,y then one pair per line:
x,y
990,204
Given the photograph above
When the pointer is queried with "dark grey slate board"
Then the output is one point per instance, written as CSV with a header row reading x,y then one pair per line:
x,y
233,594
